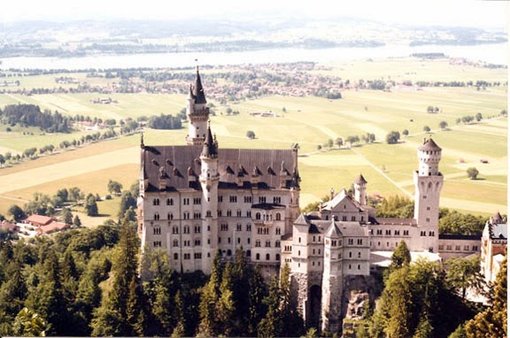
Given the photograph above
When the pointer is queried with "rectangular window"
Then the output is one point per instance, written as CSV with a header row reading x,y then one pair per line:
x,y
475,247
406,232
379,232
466,247
248,227
185,201
233,199
388,232
187,256
157,231
247,199
441,247
397,232
248,214
198,255
344,218
197,200
353,218
157,244
224,227
238,227
220,199
262,199
360,241
350,241
277,200
431,233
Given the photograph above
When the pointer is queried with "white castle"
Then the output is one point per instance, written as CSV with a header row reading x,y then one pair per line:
x,y
198,199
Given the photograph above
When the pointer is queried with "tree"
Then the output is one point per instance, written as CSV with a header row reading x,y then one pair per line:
x,y
472,173
2,160
250,134
492,322
478,117
77,221
453,222
119,311
426,129
464,273
405,132
443,124
339,142
401,256
352,139
16,212
393,137
127,201
75,194
91,205
28,323
114,187
330,143
67,216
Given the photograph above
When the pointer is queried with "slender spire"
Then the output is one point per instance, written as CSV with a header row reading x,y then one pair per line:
x,y
142,145
210,148
199,90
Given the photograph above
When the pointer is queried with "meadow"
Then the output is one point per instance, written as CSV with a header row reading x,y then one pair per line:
x,y
308,121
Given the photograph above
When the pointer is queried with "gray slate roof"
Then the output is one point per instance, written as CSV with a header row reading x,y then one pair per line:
x,y
173,164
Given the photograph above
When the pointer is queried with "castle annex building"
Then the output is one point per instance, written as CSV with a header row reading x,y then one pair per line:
x,y
198,198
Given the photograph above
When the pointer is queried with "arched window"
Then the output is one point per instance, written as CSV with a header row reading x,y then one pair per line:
x,y
268,257
176,255
257,257
155,201
229,252
257,215
278,216
156,216
278,257
169,201
248,253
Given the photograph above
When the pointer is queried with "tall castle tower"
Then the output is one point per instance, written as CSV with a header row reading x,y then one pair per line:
x,y
332,280
197,112
209,179
428,182
360,190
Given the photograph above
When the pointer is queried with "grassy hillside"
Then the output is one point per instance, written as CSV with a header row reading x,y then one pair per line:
x,y
309,121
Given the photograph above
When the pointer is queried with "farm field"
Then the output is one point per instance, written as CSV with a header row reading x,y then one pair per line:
x,y
308,121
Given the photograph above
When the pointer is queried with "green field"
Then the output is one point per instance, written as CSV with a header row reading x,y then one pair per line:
x,y
309,121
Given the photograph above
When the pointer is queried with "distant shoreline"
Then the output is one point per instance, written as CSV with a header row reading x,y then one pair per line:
x,y
495,53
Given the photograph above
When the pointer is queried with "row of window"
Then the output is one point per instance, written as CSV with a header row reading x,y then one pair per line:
x,y
267,244
424,233
387,232
232,199
344,218
198,215
458,247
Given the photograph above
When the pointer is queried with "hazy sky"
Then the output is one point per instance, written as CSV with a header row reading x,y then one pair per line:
x,y
442,12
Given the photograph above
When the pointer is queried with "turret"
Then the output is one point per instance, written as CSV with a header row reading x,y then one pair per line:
x,y
209,179
197,113
360,190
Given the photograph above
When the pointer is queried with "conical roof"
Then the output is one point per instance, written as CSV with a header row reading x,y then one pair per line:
x,y
199,90
360,180
429,145
210,148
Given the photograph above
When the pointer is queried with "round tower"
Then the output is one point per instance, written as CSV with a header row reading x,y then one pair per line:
x,y
209,179
360,190
197,113
428,182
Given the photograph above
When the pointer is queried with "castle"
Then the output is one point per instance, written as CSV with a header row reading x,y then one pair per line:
x,y
198,198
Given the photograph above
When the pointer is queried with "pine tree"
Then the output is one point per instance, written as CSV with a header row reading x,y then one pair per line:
x,y
401,256
209,300
12,295
112,318
67,216
225,309
257,308
492,322
77,221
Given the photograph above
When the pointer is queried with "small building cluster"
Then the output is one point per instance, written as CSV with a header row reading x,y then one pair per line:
x,y
37,225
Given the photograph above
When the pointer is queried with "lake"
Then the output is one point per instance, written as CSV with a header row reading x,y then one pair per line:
x,y
491,53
